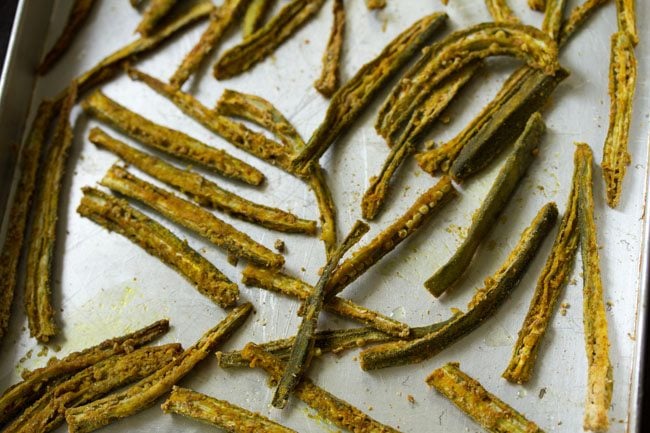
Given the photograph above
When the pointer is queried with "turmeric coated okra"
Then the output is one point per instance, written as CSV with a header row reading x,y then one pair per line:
x,y
254,16
328,81
154,13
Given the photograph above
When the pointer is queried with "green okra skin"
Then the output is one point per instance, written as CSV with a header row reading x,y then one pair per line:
x,y
254,16
496,200
483,305
501,11
156,11
553,17
353,97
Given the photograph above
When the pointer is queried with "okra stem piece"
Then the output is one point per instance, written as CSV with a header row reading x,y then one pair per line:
x,y
626,16
42,237
219,413
267,39
156,11
35,383
168,140
254,16
355,95
476,402
203,191
337,411
117,215
376,4
415,217
328,82
326,207
496,200
483,305
94,382
553,17
599,367
192,217
109,409
577,18
501,11
537,5
76,19
19,211
220,21
622,85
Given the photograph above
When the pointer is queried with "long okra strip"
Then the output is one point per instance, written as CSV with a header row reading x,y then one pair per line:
x,y
599,367
19,211
326,207
483,305
339,412
355,95
118,216
191,216
300,357
168,140
496,200
35,383
203,191
138,397
219,413
77,17
94,382
501,11
267,39
375,4
156,11
477,403
622,85
329,79
42,237
254,16
553,17
626,17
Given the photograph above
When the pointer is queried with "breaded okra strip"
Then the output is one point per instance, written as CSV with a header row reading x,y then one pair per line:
x,y
622,85
156,11
355,95
168,140
501,11
143,394
483,305
203,191
469,396
267,39
376,4
337,411
76,19
42,237
19,211
553,17
191,216
92,383
496,200
35,383
626,16
254,16
118,216
599,367
329,79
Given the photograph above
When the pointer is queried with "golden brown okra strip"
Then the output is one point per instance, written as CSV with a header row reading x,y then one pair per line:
x,y
36,382
626,17
118,216
254,16
138,397
501,11
219,413
376,4
191,216
483,305
156,11
537,5
267,39
42,237
622,85
329,79
553,17
339,412
168,140
599,367
92,383
76,19
20,208
326,207
203,191
476,402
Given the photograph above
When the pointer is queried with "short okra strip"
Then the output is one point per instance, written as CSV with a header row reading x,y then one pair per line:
x,y
626,17
156,11
168,140
203,191
219,413
143,394
484,303
501,11
553,17
599,367
118,216
339,412
191,216
267,39
496,200
329,79
254,16
476,402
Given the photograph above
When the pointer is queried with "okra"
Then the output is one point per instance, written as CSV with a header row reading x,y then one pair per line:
x,y
328,82
501,11
326,208
626,17
156,11
553,16
254,16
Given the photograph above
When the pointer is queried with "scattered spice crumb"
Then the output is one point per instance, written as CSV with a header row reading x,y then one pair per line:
x,y
564,307
610,305
542,392
43,352
279,245
411,399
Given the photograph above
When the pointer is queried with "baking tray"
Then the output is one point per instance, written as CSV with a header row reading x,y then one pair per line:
x,y
106,286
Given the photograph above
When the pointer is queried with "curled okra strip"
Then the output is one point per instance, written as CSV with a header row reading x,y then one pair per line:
x,y
483,305
501,11
496,200
156,11
553,17
254,16
537,5
328,82
376,4
109,409
266,40
626,16
118,216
